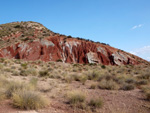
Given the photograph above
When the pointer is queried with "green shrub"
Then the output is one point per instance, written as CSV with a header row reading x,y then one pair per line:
x,y
92,64
2,60
43,73
103,66
59,60
17,26
24,65
29,100
96,103
76,65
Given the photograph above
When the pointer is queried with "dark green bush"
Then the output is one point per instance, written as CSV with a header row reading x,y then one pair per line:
x,y
43,73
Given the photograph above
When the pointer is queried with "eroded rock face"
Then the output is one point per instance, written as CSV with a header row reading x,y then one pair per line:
x,y
92,57
71,50
34,42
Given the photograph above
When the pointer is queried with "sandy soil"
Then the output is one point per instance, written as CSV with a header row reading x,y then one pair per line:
x,y
55,89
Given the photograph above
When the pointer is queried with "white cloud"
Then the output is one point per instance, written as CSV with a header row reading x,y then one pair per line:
x,y
143,52
137,26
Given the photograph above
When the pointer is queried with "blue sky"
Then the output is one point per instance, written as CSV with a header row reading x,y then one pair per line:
x,y
124,24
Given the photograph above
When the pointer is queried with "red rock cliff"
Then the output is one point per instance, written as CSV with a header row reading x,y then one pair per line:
x,y
59,47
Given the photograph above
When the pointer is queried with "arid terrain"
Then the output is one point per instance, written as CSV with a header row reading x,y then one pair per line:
x,y
46,72
119,89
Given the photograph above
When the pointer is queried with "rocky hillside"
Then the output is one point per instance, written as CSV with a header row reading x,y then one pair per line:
x,y
33,41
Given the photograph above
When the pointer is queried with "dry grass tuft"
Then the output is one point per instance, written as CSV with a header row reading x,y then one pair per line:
x,y
108,84
29,100
96,103
76,98
15,86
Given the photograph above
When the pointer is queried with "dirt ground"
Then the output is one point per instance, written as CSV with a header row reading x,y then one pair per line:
x,y
115,101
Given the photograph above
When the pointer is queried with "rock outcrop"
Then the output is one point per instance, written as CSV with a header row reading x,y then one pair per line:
x,y
32,41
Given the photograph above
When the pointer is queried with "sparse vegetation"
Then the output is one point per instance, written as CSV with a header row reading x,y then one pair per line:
x,y
59,60
146,91
127,87
14,86
76,98
93,86
108,84
96,103
2,94
91,79
43,73
29,100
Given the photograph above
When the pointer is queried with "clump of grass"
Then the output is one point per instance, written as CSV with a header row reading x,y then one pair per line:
x,y
29,100
127,87
145,75
2,60
2,94
93,86
142,82
33,82
120,79
8,70
68,78
32,71
81,78
1,65
146,91
27,72
94,75
148,95
15,73
3,81
24,72
76,98
108,84
24,65
13,87
96,103
130,80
